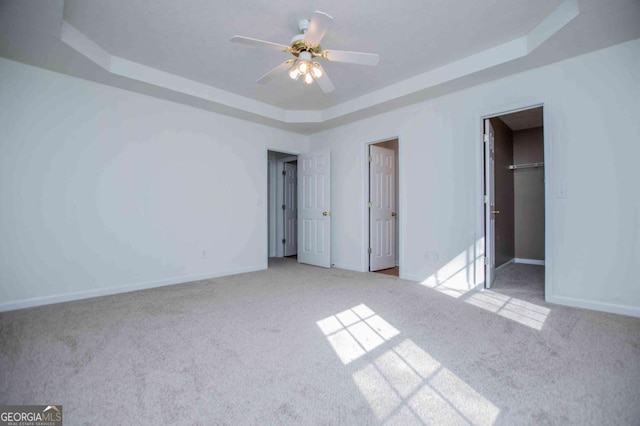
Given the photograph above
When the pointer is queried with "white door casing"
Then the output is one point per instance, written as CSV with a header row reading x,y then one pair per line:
x,y
382,215
290,207
490,204
314,209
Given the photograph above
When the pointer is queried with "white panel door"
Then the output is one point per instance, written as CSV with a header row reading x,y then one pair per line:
x,y
490,204
382,215
290,207
314,214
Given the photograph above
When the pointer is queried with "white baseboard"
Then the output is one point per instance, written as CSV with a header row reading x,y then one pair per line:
x,y
350,267
68,297
613,308
529,261
505,264
411,277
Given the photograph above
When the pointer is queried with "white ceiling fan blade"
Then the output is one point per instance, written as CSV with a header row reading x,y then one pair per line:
x,y
320,23
274,72
325,83
352,57
259,43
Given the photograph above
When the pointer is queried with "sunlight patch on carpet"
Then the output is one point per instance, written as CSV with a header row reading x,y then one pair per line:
x,y
459,275
403,384
356,331
523,312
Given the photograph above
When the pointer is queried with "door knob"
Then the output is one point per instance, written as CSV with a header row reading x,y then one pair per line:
x,y
394,214
325,213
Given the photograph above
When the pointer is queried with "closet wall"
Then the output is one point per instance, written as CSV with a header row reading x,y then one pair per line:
x,y
528,147
519,193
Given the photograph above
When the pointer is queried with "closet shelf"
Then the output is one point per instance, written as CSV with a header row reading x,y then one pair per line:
x,y
526,165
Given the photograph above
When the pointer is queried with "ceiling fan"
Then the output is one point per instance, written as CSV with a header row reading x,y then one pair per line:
x,y
306,49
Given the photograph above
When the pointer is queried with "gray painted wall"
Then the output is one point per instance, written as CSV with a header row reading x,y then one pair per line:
x,y
528,147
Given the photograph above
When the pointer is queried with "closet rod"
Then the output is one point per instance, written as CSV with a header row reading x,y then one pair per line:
x,y
526,165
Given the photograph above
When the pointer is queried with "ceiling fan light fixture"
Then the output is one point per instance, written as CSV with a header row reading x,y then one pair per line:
x,y
294,73
305,48
303,66
316,70
308,78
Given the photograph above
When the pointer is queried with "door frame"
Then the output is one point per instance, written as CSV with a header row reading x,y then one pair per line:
x,y
266,191
489,204
279,200
364,259
280,216
377,240
548,185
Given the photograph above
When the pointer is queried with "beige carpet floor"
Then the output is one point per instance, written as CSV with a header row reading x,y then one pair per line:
x,y
297,344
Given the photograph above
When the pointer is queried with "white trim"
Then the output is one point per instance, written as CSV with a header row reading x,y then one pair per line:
x,y
529,261
68,297
366,227
505,264
136,71
280,196
480,188
425,281
613,308
365,206
548,179
549,199
412,277
279,184
272,201
402,204
567,11
290,159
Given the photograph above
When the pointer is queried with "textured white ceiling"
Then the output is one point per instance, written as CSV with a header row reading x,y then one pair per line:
x,y
191,38
180,50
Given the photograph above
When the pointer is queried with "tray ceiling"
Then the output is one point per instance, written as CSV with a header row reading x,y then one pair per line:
x,y
181,51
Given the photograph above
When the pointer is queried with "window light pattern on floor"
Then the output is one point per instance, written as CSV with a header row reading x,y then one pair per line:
x,y
460,277
356,331
403,384
512,308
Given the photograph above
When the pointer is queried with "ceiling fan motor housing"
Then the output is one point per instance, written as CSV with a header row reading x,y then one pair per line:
x,y
303,25
297,39
298,44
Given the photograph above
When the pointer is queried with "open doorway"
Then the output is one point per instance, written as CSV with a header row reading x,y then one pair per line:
x,y
282,205
514,197
383,251
299,208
